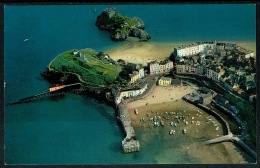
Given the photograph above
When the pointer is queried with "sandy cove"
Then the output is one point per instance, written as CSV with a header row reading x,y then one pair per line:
x,y
141,52
156,104
169,99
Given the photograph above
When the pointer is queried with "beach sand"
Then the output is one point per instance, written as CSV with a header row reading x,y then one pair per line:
x,y
143,52
168,99
163,94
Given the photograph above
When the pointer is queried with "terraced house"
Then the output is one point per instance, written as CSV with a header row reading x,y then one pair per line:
x,y
160,67
214,72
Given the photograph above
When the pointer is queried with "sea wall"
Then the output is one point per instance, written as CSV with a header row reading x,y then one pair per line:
x,y
129,143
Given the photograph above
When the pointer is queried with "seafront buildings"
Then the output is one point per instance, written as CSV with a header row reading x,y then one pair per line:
x,y
156,67
226,63
164,81
136,71
119,94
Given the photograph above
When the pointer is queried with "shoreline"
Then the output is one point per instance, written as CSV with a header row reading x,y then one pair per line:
x,y
143,52
166,102
197,134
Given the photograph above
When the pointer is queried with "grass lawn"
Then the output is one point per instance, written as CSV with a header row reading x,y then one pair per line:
x,y
92,69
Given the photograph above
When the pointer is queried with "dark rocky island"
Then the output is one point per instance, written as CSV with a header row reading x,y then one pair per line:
x,y
120,26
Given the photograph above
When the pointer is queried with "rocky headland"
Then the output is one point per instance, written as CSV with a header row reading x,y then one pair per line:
x,y
121,27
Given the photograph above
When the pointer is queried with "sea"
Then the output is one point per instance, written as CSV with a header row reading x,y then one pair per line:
x,y
75,129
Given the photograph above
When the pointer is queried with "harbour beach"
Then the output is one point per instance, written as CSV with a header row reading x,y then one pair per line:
x,y
199,124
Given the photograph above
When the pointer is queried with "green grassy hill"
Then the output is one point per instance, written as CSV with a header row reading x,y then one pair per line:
x,y
91,68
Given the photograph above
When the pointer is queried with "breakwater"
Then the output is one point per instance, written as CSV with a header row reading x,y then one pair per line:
x,y
129,143
229,137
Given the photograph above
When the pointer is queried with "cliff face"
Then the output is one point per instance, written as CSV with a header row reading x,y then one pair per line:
x,y
120,26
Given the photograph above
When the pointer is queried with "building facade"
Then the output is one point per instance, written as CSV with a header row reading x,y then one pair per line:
x,y
119,95
214,72
154,67
180,69
134,77
164,81
194,48
162,67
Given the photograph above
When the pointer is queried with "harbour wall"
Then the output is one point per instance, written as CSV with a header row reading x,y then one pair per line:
x,y
129,143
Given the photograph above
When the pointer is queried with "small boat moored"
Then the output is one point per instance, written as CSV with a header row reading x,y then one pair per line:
x,y
136,111
172,132
184,131
162,123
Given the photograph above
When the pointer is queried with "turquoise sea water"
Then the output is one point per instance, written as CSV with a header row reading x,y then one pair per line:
x,y
75,129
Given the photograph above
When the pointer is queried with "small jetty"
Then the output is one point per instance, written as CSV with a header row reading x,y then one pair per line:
x,y
54,90
129,143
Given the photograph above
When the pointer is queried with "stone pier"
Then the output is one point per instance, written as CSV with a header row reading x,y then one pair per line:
x,y
129,143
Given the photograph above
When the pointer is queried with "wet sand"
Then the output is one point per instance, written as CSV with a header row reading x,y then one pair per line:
x,y
191,143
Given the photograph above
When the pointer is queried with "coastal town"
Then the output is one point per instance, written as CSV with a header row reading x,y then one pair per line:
x,y
205,89
212,75
207,61
219,79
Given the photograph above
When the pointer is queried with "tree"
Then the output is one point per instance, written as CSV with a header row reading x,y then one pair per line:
x,y
124,75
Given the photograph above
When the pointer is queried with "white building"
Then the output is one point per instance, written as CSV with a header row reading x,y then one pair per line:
x,y
194,48
140,69
141,73
129,93
249,54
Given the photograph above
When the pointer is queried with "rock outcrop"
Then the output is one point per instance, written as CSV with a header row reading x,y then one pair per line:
x,y
120,26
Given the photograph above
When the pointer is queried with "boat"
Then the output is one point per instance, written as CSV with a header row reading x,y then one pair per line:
x,y
172,132
155,118
156,124
162,123
136,111
56,87
172,124
25,39
184,131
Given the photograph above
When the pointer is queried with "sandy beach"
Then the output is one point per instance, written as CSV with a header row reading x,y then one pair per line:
x,y
163,100
143,52
163,94
201,127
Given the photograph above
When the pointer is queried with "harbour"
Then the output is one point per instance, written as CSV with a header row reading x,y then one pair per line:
x,y
75,129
